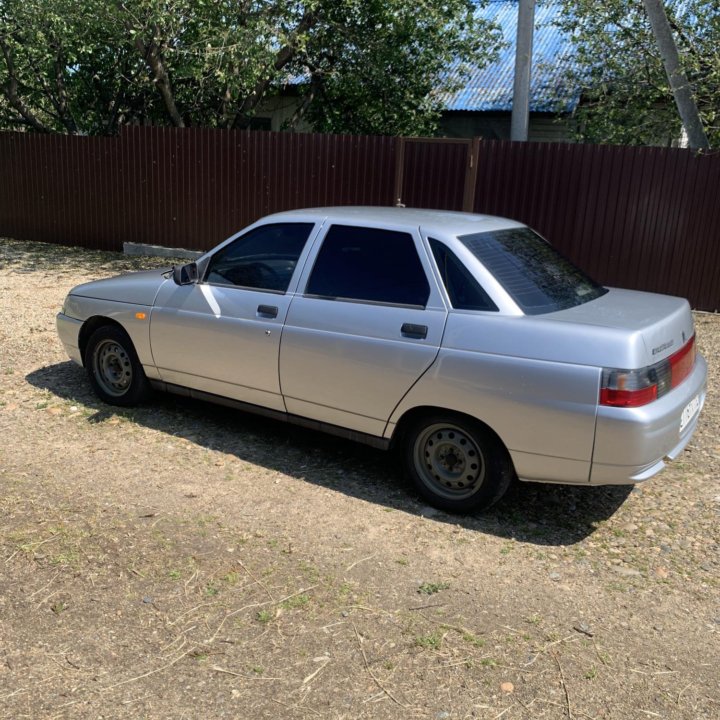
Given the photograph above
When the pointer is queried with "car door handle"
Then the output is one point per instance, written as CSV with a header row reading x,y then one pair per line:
x,y
414,331
267,311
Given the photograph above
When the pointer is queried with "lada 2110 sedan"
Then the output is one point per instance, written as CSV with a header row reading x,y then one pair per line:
x,y
466,341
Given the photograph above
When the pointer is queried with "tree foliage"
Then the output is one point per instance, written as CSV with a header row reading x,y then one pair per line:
x,y
627,98
358,66
382,71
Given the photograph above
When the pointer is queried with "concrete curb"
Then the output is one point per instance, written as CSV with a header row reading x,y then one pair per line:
x,y
130,248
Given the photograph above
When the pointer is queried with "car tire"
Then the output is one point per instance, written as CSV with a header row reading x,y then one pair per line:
x,y
456,464
115,372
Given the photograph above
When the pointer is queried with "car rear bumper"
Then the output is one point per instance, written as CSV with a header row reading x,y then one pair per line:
x,y
633,444
69,331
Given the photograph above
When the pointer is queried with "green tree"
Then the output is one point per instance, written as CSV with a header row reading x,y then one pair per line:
x,y
626,95
58,71
364,66
382,71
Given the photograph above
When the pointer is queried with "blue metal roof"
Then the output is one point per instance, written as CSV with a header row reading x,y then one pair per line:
x,y
490,88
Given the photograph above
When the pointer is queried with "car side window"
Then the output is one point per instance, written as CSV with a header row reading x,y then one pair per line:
x,y
371,265
262,259
463,289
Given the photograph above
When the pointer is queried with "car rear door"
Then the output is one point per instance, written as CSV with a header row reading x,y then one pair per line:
x,y
222,335
366,323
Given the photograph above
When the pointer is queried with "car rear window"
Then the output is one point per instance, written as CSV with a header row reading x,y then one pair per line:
x,y
462,288
535,275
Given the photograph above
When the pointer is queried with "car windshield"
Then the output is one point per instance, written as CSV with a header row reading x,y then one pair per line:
x,y
535,275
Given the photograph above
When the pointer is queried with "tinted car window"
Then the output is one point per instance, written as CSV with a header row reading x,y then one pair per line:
x,y
463,289
263,258
537,277
369,264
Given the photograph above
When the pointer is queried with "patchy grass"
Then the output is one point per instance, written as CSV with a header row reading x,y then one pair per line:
x,y
428,588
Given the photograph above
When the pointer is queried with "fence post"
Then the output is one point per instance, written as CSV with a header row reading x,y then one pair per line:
x,y
471,171
399,170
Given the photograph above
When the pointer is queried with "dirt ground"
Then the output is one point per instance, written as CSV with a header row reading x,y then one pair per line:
x,y
182,561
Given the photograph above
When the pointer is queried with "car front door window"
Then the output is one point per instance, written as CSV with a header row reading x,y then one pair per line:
x,y
262,259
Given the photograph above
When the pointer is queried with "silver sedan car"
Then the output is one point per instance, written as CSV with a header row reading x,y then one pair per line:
x,y
465,341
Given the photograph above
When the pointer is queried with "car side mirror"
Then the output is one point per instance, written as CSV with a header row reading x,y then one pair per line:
x,y
185,274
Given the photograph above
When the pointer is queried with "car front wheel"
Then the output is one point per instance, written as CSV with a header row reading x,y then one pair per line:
x,y
455,463
113,367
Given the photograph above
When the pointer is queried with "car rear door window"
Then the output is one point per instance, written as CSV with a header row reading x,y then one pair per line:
x,y
535,275
262,259
369,265
463,289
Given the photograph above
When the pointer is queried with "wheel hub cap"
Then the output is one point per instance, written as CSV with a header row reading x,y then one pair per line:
x,y
113,368
449,461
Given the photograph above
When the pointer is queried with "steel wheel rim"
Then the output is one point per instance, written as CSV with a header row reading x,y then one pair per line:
x,y
449,461
112,367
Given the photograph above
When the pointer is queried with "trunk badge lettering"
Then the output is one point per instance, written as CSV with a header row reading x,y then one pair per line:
x,y
662,347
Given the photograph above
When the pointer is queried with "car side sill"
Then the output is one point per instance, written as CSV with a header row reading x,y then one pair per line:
x,y
376,442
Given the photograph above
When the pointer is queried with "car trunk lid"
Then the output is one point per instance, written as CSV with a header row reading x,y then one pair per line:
x,y
664,323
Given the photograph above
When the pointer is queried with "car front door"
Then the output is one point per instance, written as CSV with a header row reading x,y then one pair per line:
x,y
222,334
366,323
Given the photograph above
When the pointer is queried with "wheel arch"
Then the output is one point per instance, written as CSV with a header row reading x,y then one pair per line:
x,y
90,326
411,415
446,486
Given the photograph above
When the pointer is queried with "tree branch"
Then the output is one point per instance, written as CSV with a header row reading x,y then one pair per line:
x,y
687,109
283,57
115,104
40,78
62,104
11,92
152,55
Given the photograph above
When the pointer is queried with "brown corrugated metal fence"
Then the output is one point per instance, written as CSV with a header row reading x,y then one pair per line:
x,y
636,217
645,218
180,188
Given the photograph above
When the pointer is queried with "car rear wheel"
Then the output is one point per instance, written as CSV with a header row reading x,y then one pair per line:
x,y
113,367
456,464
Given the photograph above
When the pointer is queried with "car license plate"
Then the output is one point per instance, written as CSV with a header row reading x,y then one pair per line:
x,y
689,412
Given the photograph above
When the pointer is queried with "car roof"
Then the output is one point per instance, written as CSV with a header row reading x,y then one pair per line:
x,y
440,221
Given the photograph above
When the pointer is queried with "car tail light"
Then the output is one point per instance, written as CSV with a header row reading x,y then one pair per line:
x,y
682,362
633,388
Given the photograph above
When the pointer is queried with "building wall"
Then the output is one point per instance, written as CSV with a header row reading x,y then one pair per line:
x,y
543,127
279,110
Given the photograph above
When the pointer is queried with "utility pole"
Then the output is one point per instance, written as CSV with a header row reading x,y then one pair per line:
x,y
676,75
523,67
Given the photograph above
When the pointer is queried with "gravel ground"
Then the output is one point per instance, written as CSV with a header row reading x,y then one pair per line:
x,y
181,560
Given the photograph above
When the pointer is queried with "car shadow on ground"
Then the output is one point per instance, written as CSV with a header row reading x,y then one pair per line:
x,y
542,514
